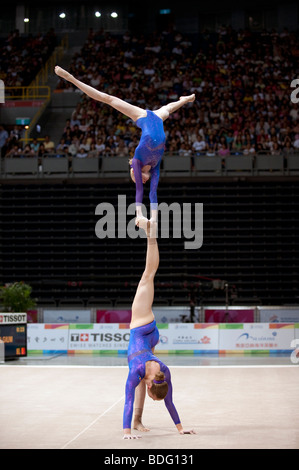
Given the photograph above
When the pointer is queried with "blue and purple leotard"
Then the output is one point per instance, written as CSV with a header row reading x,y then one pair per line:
x,y
149,152
142,340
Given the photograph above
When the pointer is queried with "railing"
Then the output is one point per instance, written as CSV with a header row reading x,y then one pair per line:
x,y
23,93
61,167
37,88
42,77
41,94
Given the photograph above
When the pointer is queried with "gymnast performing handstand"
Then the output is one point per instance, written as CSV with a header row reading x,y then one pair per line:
x,y
145,369
146,162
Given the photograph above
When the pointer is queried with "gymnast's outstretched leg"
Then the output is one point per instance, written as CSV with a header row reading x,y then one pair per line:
x,y
133,112
169,108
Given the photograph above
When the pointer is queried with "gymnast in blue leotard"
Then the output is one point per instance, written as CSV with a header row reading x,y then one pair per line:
x,y
148,154
142,340
146,162
146,371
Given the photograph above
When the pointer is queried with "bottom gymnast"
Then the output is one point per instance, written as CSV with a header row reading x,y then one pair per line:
x,y
145,369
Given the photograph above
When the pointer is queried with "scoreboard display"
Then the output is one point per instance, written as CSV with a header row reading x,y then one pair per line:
x,y
13,333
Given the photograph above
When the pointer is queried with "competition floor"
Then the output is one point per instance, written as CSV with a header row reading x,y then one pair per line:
x,y
76,402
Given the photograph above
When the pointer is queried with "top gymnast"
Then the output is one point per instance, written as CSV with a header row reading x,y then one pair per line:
x,y
146,161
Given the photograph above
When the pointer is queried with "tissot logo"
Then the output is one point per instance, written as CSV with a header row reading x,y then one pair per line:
x,y
13,318
99,337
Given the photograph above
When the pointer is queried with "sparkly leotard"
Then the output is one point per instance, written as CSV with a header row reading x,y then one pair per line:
x,y
142,340
149,152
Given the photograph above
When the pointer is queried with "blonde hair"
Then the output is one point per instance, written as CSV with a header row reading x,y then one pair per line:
x,y
131,169
160,390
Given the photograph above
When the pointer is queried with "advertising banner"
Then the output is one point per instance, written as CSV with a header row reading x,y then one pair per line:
x,y
99,337
172,314
162,315
278,314
12,318
32,316
295,345
45,337
188,337
256,336
173,337
113,316
67,315
230,315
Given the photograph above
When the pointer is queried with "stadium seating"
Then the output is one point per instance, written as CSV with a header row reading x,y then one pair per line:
x,y
250,239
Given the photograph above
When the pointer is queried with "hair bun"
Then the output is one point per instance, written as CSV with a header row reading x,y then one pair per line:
x,y
160,376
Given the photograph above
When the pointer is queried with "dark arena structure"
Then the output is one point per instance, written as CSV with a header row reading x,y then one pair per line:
x,y
226,292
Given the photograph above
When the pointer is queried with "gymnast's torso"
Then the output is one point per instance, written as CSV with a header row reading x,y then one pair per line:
x,y
149,152
152,143
142,340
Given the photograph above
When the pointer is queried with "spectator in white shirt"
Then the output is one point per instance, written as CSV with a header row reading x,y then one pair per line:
x,y
296,142
199,145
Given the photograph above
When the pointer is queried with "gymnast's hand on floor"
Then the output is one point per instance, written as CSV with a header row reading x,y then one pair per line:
x,y
191,431
182,431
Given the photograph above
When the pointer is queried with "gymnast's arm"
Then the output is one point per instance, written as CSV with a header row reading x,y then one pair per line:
x,y
133,381
137,167
171,408
155,175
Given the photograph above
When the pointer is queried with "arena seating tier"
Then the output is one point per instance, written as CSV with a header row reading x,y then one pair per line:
x,y
250,240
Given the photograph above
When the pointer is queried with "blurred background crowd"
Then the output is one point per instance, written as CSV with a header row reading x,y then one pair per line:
x,y
241,80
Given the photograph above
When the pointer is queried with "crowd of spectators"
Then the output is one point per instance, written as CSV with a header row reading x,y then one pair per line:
x,y
22,57
241,80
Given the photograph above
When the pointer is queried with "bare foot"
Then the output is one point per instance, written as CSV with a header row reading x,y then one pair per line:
x,y
188,99
139,426
62,73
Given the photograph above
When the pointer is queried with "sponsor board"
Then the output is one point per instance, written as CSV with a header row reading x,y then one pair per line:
x,y
278,314
229,315
6,318
98,336
188,337
113,316
173,337
46,337
173,314
67,315
256,336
